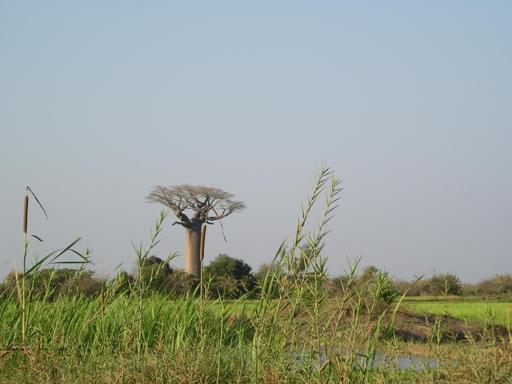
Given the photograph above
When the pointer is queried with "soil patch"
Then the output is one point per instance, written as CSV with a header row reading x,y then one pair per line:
x,y
410,326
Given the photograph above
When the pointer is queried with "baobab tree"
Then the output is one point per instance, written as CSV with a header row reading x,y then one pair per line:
x,y
195,207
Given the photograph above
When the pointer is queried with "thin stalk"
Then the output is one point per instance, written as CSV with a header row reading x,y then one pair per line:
x,y
24,315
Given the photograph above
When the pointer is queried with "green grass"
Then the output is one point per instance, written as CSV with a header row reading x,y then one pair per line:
x,y
482,312
449,298
441,298
189,340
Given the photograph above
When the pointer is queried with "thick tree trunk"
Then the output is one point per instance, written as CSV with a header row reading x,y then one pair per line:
x,y
193,247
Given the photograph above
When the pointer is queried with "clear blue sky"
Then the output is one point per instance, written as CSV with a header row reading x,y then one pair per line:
x,y
410,102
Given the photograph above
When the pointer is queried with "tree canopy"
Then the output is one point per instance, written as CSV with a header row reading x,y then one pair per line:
x,y
207,204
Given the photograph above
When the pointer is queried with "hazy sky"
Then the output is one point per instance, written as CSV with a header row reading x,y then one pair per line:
x,y
410,102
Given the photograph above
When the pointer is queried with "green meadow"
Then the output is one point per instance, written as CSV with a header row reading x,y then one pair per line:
x,y
478,311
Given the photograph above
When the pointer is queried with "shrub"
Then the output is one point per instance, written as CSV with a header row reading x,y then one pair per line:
x,y
229,277
123,283
443,284
339,285
497,285
57,282
154,274
180,283
383,288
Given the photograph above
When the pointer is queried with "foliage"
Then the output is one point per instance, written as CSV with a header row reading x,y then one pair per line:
x,y
339,285
123,283
275,271
383,288
52,283
369,274
162,278
443,284
498,285
158,276
229,277
154,273
372,281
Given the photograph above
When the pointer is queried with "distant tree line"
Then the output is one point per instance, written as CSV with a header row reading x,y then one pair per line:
x,y
231,278
448,284
224,276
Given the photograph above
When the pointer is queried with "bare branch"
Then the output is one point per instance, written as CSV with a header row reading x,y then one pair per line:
x,y
181,223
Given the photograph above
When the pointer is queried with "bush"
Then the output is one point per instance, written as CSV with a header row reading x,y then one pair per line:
x,y
154,273
443,284
413,288
369,274
180,283
339,285
52,283
383,288
498,285
229,277
123,283
376,283
158,276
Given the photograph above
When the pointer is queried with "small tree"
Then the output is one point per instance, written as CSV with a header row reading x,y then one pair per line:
x,y
340,285
180,283
269,271
123,283
264,269
368,274
499,284
444,284
378,283
155,273
52,283
230,277
384,289
195,207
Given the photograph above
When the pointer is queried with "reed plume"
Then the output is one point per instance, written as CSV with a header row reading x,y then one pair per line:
x,y
25,214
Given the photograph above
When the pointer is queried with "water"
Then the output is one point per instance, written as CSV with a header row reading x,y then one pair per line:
x,y
380,360
405,362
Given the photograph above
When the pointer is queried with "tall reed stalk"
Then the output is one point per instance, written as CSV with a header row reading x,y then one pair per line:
x,y
142,255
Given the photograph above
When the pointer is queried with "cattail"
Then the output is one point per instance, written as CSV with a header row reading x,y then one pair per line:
x,y
203,238
25,214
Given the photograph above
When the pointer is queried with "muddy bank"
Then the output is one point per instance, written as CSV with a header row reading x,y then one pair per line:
x,y
410,326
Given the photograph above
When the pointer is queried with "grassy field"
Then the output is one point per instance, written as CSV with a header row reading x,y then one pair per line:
x,y
484,312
